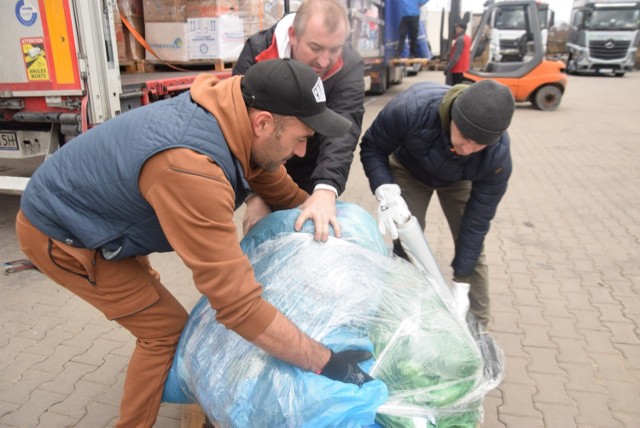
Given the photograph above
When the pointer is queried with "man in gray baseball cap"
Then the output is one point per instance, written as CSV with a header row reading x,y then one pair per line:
x,y
452,141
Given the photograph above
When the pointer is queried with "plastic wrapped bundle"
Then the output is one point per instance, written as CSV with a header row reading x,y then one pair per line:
x,y
348,294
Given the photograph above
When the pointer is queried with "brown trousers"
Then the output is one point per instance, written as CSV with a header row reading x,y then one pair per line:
x,y
453,200
128,292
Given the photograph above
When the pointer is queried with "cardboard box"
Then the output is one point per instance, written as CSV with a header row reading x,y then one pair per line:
x,y
210,8
197,39
165,11
169,40
259,15
216,38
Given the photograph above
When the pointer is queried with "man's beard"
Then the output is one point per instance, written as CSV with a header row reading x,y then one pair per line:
x,y
271,165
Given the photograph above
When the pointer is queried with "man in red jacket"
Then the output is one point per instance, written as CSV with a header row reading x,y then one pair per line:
x,y
459,56
317,36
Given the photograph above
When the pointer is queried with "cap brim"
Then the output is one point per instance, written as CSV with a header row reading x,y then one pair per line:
x,y
327,123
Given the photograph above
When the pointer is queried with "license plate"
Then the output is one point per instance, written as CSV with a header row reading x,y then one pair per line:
x,y
8,141
606,70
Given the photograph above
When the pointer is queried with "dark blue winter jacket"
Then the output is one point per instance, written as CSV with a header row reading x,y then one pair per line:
x,y
415,127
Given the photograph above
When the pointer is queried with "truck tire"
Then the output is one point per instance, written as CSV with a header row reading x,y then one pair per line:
x,y
571,67
401,78
412,70
547,98
378,88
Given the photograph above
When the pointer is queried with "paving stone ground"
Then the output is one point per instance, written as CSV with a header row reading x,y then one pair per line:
x,y
564,257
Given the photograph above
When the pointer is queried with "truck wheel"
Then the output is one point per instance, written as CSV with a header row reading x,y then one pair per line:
x,y
619,73
401,78
547,98
381,86
571,67
413,68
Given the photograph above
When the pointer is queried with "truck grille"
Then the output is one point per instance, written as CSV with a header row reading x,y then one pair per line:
x,y
608,49
508,44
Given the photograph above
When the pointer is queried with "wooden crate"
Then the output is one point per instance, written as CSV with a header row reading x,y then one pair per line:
x,y
146,66
194,417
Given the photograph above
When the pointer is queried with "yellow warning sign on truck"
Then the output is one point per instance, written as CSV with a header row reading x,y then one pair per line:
x,y
35,59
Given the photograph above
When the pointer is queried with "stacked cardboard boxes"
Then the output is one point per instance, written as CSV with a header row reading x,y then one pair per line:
x,y
165,11
215,37
210,8
186,30
129,49
258,15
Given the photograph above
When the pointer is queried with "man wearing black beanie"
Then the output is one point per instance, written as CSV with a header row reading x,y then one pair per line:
x,y
454,141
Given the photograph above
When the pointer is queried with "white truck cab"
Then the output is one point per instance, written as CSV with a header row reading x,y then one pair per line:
x,y
603,37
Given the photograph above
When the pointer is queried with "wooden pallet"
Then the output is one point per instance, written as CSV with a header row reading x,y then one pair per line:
x,y
145,66
194,417
136,66
222,65
437,65
410,61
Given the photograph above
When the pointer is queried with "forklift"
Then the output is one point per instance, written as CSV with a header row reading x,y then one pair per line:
x,y
521,65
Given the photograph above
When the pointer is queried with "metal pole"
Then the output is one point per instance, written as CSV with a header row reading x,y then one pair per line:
x,y
454,17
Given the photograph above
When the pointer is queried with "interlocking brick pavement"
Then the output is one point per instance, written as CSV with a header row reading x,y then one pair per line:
x,y
563,253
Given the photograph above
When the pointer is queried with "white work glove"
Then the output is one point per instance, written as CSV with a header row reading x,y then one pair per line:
x,y
392,210
460,292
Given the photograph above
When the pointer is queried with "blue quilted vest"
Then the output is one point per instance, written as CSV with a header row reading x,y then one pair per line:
x,y
86,194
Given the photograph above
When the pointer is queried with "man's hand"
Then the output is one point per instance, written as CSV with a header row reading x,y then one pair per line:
x,y
343,367
321,208
257,209
285,341
392,210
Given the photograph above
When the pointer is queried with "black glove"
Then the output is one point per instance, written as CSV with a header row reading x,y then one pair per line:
x,y
343,367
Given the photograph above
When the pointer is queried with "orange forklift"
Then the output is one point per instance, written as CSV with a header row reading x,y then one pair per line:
x,y
508,47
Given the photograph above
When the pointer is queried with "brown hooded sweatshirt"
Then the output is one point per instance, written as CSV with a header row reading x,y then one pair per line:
x,y
194,202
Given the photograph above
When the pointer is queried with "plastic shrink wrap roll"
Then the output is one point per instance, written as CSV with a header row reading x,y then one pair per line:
x,y
347,293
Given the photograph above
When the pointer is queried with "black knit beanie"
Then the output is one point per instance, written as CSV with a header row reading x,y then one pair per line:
x,y
483,111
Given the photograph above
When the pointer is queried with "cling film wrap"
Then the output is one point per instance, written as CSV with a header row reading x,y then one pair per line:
x,y
346,293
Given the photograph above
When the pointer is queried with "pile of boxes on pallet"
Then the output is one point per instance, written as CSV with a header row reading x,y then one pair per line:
x,y
183,31
129,49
